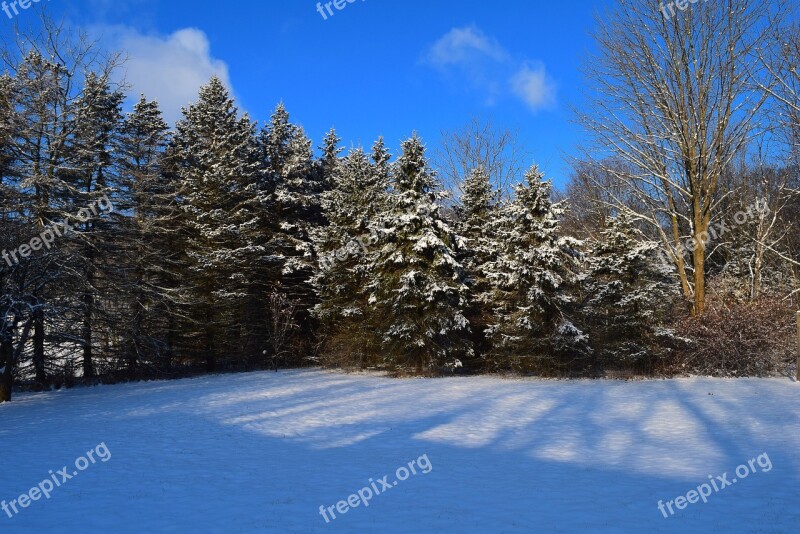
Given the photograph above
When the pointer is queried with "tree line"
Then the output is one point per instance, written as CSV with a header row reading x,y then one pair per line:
x,y
233,245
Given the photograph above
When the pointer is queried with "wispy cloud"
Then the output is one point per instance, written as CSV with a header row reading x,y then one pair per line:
x,y
170,69
466,45
470,55
532,84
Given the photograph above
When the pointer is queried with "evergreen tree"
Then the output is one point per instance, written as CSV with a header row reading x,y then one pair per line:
x,y
351,208
216,161
151,244
330,159
298,184
98,118
628,290
475,215
532,279
416,284
381,158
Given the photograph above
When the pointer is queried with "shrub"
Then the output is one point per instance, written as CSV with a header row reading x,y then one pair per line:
x,y
753,338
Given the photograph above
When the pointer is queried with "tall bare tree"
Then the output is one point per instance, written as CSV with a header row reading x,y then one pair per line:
x,y
677,96
480,144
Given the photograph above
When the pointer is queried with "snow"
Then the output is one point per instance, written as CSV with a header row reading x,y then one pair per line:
x,y
263,451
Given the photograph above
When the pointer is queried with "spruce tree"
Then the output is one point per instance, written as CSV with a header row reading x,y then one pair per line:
x,y
381,158
216,161
351,208
98,119
416,284
330,160
532,279
298,183
476,213
152,248
628,291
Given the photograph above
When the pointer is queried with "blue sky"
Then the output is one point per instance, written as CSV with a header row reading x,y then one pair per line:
x,y
376,67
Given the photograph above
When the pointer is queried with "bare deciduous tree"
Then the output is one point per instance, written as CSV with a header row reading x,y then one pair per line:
x,y
281,325
677,98
480,144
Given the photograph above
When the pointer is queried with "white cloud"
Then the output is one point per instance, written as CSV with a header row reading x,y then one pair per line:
x,y
469,54
465,45
532,84
170,69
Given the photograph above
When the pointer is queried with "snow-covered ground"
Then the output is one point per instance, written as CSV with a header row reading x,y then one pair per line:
x,y
263,451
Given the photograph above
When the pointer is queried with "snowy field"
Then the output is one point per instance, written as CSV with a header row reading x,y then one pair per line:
x,y
263,451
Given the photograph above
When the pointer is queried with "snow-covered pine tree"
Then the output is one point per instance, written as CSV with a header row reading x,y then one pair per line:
x,y
476,212
215,158
330,159
98,119
532,278
416,284
629,289
381,158
351,207
152,247
288,160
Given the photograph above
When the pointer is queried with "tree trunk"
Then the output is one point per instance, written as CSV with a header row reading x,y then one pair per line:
x,y
38,347
699,283
138,328
798,346
757,269
211,362
7,363
88,365
9,357
701,222
171,327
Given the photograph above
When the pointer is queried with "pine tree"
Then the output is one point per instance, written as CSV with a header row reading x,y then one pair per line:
x,y
531,279
98,118
216,161
381,158
298,184
476,213
351,208
416,284
330,160
151,244
628,290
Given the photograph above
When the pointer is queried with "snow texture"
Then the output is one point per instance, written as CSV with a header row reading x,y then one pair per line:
x,y
262,452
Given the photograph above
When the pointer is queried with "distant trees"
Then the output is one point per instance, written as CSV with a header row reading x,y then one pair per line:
x,y
480,144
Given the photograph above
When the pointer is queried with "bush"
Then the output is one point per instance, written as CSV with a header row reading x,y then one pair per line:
x,y
754,338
